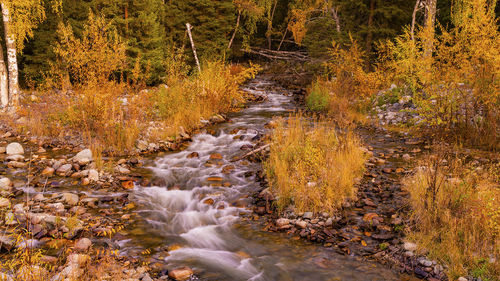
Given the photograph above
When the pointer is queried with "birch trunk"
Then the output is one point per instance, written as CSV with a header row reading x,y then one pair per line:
x,y
10,44
235,29
430,20
188,26
4,88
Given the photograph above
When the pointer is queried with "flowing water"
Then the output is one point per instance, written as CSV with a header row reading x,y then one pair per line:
x,y
199,206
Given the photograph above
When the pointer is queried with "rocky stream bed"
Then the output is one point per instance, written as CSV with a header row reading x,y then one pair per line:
x,y
201,211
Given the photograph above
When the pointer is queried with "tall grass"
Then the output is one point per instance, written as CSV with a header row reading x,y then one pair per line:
x,y
456,215
311,166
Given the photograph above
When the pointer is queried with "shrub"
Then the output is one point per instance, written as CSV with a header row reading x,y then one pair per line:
x,y
318,96
313,167
456,216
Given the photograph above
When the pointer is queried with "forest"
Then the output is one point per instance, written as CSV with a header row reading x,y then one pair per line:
x,y
250,140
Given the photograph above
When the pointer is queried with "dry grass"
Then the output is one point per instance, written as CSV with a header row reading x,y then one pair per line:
x,y
311,166
456,215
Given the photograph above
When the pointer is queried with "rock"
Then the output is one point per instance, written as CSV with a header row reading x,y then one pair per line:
x,y
180,274
79,259
146,277
329,222
14,148
56,207
70,198
282,222
83,244
64,170
462,279
308,215
301,224
193,155
83,157
32,272
408,246
4,203
215,156
7,242
10,219
15,157
5,184
48,172
85,181
425,262
16,164
406,157
5,277
93,175
2,149
122,170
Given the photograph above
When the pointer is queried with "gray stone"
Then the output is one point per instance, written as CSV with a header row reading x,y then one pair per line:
x,y
70,198
301,224
14,148
15,157
83,244
282,222
83,157
406,157
64,170
4,202
308,215
122,170
93,175
462,279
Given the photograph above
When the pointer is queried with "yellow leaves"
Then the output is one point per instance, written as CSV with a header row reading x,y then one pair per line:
x,y
297,24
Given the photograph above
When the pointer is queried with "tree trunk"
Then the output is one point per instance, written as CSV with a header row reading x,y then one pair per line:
x,y
235,29
10,43
430,19
4,88
336,18
270,24
369,36
413,19
188,26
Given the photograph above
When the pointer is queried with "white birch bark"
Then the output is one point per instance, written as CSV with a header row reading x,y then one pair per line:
x,y
10,44
4,88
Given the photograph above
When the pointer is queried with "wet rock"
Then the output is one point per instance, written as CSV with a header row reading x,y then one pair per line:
x,y
14,148
4,203
83,244
48,172
70,198
7,242
208,201
64,170
215,156
180,274
122,170
193,155
282,222
16,164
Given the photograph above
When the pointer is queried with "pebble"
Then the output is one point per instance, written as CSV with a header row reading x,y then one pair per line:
x,y
282,222
301,224
180,274
64,170
462,279
48,172
308,215
70,198
83,244
4,202
408,246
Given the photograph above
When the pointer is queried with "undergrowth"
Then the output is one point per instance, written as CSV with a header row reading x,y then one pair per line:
x,y
311,166
456,216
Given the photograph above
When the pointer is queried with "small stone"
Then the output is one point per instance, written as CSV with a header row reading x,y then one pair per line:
x,y
39,197
83,244
282,222
426,263
15,157
302,224
85,181
193,155
180,274
408,246
70,198
16,164
64,170
2,149
308,215
216,156
5,184
462,279
4,202
406,157
122,170
14,148
48,172
93,175
79,259
83,157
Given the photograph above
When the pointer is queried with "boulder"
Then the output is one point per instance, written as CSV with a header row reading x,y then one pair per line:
x,y
83,157
14,148
180,274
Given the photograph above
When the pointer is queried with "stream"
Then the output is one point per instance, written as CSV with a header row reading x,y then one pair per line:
x,y
197,209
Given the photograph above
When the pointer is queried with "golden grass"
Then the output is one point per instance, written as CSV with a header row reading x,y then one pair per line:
x,y
98,113
311,166
456,215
